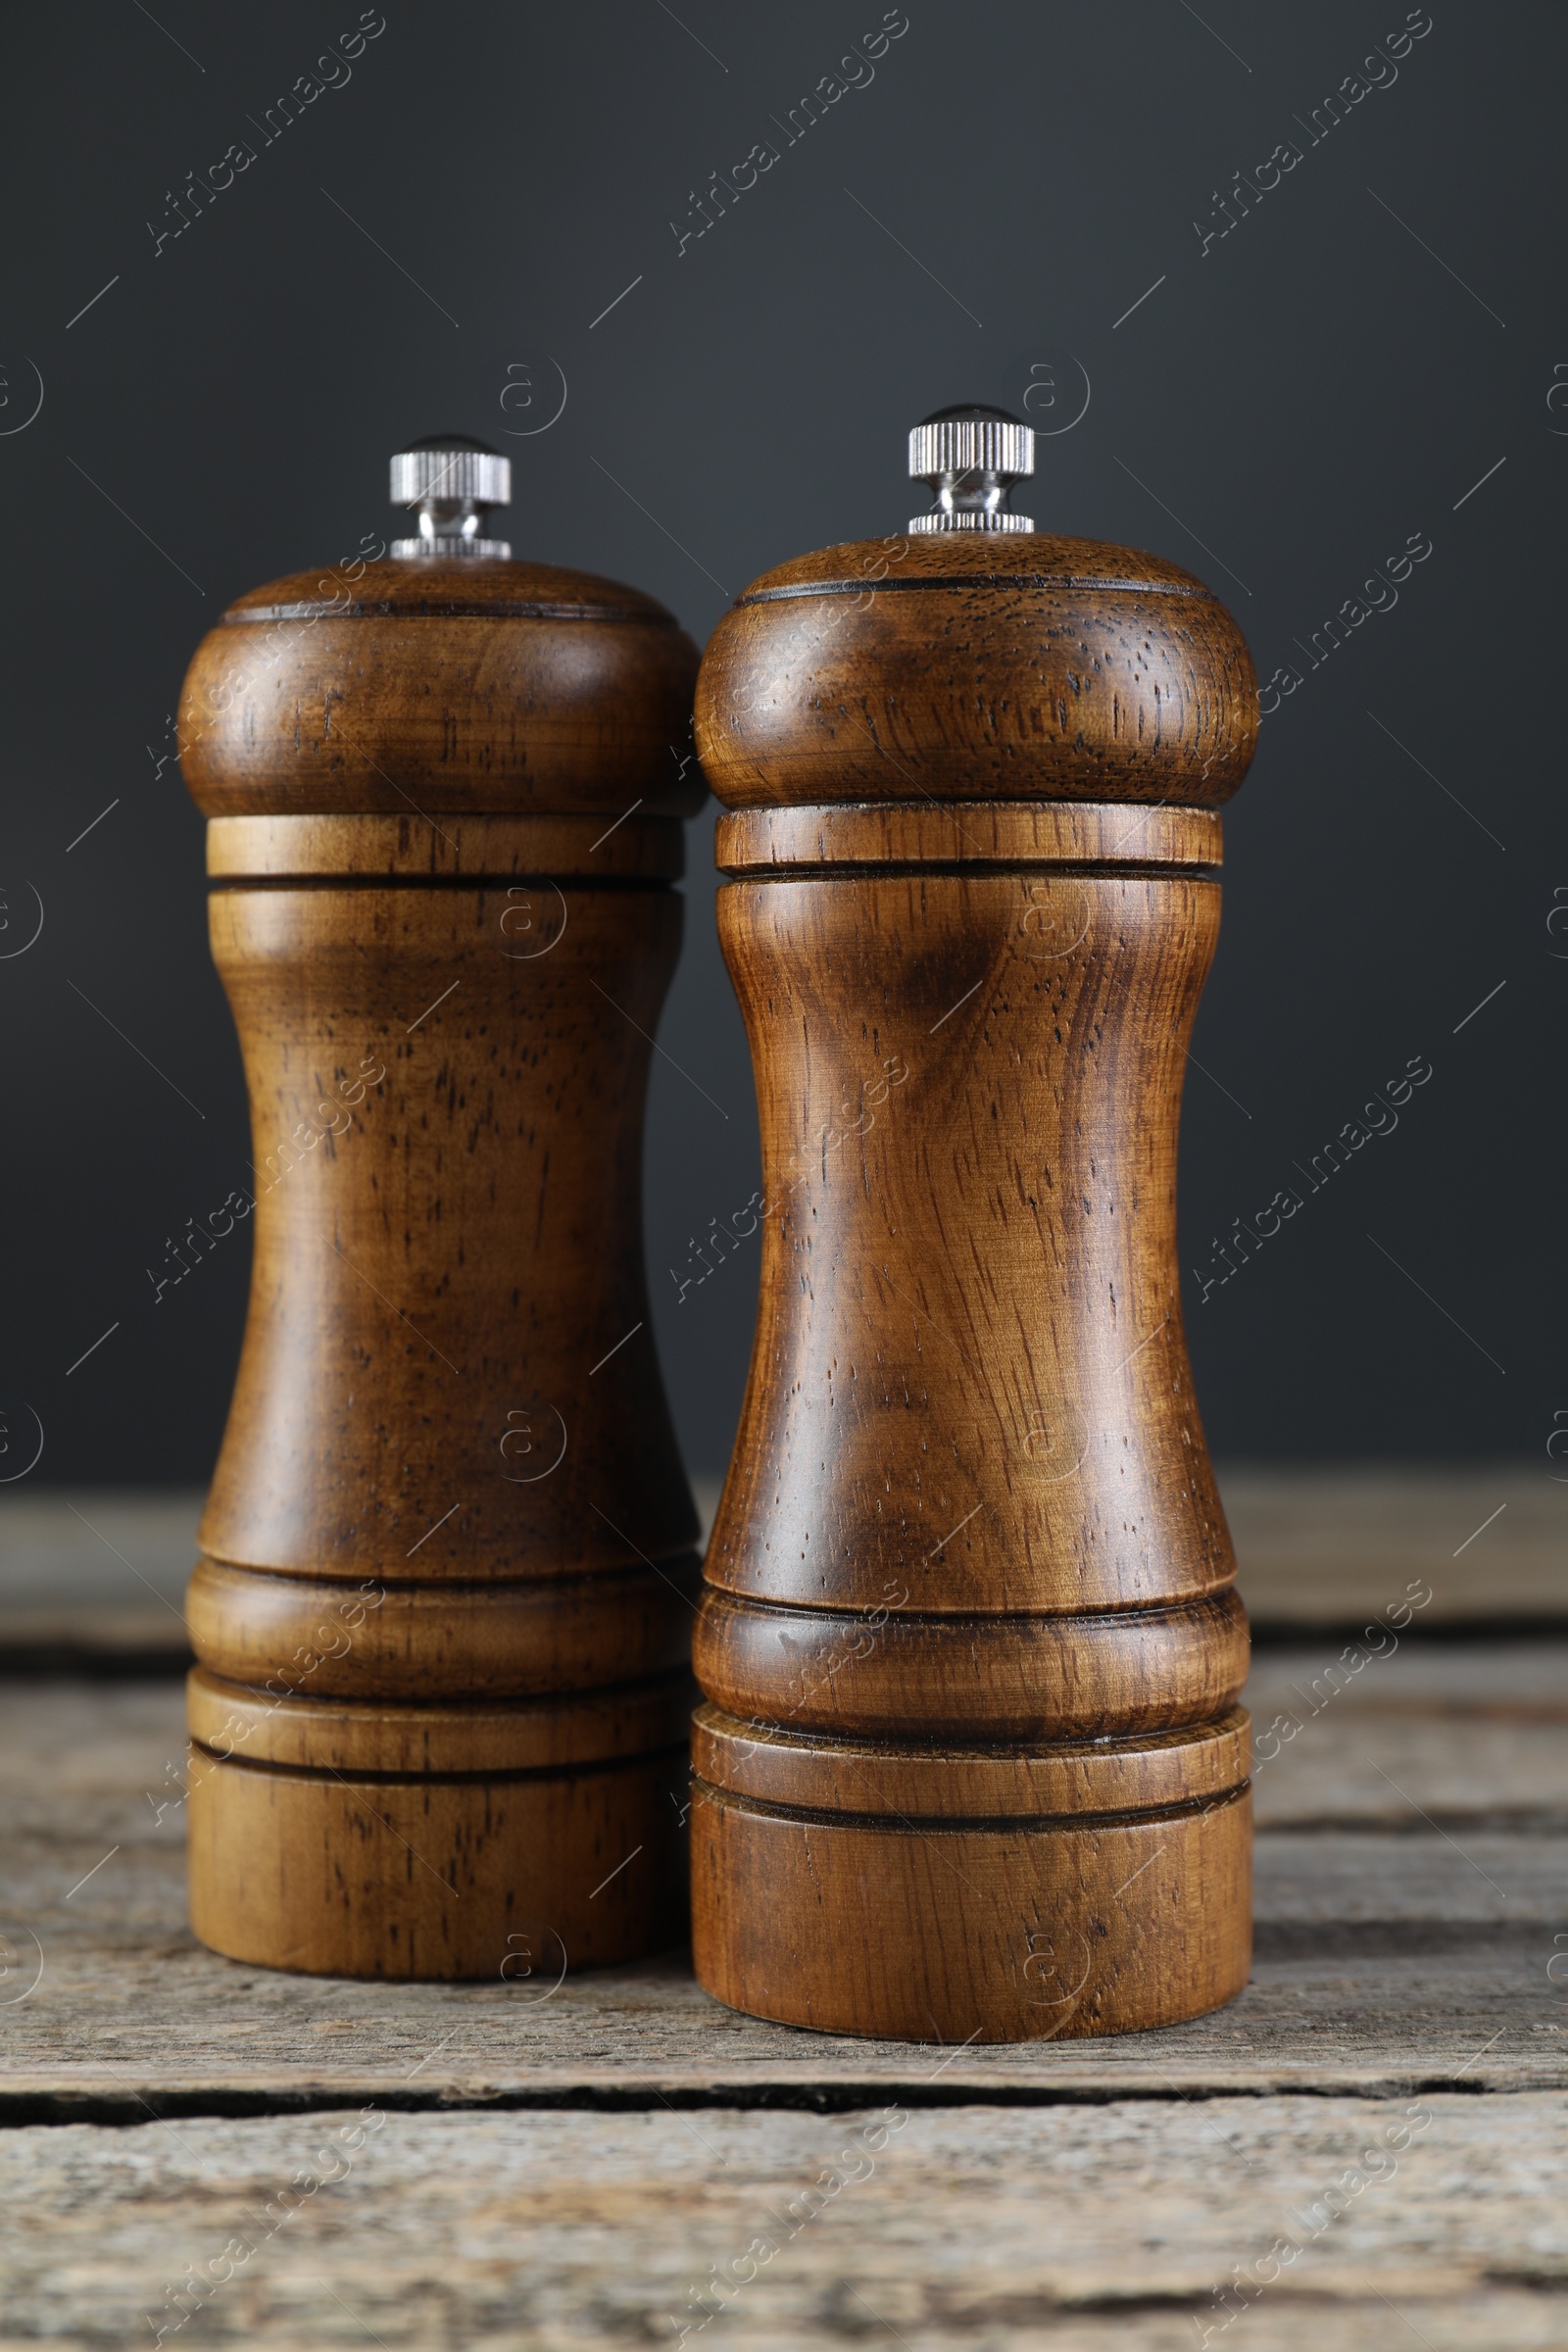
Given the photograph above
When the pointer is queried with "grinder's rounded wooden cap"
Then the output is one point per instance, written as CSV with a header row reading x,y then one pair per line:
x,y
441,683
977,665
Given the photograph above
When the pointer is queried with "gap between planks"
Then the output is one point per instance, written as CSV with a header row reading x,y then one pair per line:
x,y
24,2110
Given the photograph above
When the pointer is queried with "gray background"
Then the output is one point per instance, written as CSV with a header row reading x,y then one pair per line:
x,y
1303,395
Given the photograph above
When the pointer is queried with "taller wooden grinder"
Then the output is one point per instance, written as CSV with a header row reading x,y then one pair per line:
x,y
441,1611
972,1764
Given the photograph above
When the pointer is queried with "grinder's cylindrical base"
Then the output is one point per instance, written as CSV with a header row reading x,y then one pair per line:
x,y
419,1844
951,1896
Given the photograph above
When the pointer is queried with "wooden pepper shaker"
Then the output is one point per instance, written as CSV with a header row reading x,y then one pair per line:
x,y
442,1613
971,1763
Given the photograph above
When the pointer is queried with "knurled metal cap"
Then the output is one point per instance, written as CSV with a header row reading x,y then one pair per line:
x,y
441,470
452,482
971,456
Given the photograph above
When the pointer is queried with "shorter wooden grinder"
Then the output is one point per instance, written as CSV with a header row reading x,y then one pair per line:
x,y
972,1764
441,1613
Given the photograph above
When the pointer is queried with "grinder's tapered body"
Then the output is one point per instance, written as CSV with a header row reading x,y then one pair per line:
x,y
439,1613
971,1762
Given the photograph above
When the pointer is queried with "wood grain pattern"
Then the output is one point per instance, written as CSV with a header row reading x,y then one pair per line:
x,y
410,847
818,1919
1406,2219
958,669
441,1610
969,1089
971,1502
433,1283
1004,1676
236,1721
422,1874
443,1639
835,1775
461,685
1013,833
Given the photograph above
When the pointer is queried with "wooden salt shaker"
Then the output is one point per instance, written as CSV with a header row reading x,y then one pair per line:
x,y
971,1763
442,1612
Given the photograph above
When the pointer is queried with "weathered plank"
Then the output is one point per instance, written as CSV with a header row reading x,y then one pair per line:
x,y
1451,1732
1441,2218
96,1570
1320,1544
1412,1897
1395,1954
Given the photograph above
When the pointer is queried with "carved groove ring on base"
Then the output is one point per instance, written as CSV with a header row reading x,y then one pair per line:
x,y
1092,1887
375,1638
510,1880
1035,1678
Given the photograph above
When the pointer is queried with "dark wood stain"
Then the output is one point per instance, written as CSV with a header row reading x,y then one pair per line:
x,y
443,1612
972,1764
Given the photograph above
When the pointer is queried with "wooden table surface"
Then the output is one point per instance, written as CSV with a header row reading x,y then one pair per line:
x,y
568,2166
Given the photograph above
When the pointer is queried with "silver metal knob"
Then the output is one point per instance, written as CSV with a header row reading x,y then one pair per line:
x,y
971,457
452,483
